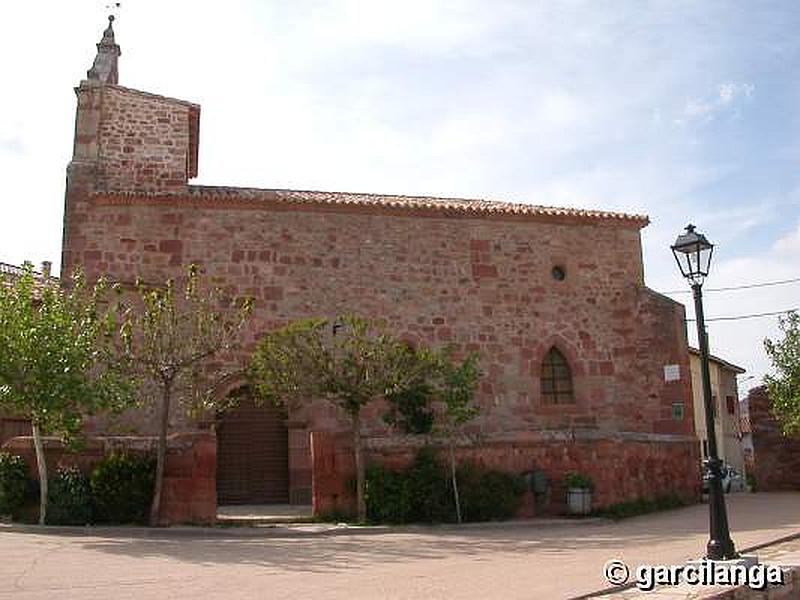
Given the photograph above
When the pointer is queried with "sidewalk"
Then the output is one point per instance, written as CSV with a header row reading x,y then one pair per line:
x,y
509,560
279,528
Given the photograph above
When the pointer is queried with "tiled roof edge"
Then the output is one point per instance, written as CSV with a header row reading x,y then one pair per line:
x,y
446,206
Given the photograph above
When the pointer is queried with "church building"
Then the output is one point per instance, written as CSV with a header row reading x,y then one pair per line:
x,y
586,369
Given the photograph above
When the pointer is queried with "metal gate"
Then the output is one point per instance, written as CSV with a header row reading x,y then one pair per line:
x,y
252,454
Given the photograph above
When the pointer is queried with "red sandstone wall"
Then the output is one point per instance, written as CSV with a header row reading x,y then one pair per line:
x,y
623,468
140,141
776,456
430,279
478,283
190,493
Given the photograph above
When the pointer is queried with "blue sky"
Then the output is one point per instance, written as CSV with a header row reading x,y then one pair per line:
x,y
685,111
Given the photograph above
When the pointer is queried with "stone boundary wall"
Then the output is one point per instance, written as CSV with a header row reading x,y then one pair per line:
x,y
776,456
624,467
190,488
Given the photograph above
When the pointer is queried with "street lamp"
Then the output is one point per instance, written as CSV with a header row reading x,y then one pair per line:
x,y
693,254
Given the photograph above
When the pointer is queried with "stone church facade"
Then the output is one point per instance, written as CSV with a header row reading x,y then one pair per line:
x,y
572,342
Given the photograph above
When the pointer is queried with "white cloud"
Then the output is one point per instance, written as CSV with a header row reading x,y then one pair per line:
x,y
708,108
788,247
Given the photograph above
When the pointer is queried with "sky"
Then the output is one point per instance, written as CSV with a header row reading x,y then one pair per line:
x,y
685,111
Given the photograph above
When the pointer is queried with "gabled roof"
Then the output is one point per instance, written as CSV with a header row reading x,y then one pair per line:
x,y
462,207
723,363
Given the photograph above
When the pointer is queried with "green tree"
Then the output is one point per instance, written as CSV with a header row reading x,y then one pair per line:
x,y
784,386
455,385
168,337
410,405
350,362
56,359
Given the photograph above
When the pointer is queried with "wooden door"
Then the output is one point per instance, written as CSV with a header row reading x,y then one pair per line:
x,y
252,455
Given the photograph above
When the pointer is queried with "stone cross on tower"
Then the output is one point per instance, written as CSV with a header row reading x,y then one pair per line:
x,y
104,69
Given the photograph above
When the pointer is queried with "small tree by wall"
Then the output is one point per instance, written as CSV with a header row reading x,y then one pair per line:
x,y
455,386
56,359
439,401
167,338
784,386
350,362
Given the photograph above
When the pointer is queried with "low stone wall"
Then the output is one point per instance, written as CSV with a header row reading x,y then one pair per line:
x,y
190,493
776,456
624,467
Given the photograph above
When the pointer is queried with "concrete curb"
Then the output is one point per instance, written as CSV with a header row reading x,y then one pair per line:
x,y
282,530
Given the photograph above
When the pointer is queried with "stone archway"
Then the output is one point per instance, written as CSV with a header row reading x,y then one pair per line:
x,y
252,453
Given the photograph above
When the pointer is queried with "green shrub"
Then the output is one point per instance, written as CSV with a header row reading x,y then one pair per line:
x,y
410,409
69,499
14,483
423,493
420,494
633,508
578,480
122,487
387,495
488,495
431,494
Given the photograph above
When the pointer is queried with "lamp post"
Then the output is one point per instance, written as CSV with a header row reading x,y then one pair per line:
x,y
693,252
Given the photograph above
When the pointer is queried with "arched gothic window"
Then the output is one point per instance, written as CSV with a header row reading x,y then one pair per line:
x,y
556,379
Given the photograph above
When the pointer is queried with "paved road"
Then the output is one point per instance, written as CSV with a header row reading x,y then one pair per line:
x,y
500,561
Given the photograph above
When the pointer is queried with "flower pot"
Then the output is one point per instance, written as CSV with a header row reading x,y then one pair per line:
x,y
579,501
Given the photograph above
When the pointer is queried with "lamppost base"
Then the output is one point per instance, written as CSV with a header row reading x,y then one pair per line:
x,y
719,550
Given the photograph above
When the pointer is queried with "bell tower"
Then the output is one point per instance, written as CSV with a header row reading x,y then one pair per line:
x,y
104,68
126,142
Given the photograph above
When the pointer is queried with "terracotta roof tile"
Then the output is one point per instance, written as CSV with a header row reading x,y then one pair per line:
x,y
444,206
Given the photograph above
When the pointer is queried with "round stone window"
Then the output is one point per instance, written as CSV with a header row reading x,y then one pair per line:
x,y
559,273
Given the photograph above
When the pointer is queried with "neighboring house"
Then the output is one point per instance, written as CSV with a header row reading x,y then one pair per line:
x,y
776,456
725,402
12,272
747,435
10,425
572,343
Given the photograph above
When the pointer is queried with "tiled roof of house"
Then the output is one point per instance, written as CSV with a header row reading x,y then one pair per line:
x,y
720,361
12,272
744,424
443,206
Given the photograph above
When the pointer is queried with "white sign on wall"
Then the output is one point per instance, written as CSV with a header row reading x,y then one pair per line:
x,y
672,373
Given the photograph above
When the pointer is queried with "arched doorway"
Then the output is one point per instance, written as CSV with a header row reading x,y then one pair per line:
x,y
252,453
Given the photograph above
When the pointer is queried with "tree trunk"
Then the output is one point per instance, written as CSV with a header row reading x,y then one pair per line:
x,y
42,464
161,455
455,480
359,456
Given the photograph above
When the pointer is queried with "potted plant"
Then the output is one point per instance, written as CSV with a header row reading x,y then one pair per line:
x,y
579,493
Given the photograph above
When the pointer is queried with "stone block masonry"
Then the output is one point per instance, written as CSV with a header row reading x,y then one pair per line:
x,y
623,467
416,273
189,495
508,281
776,455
